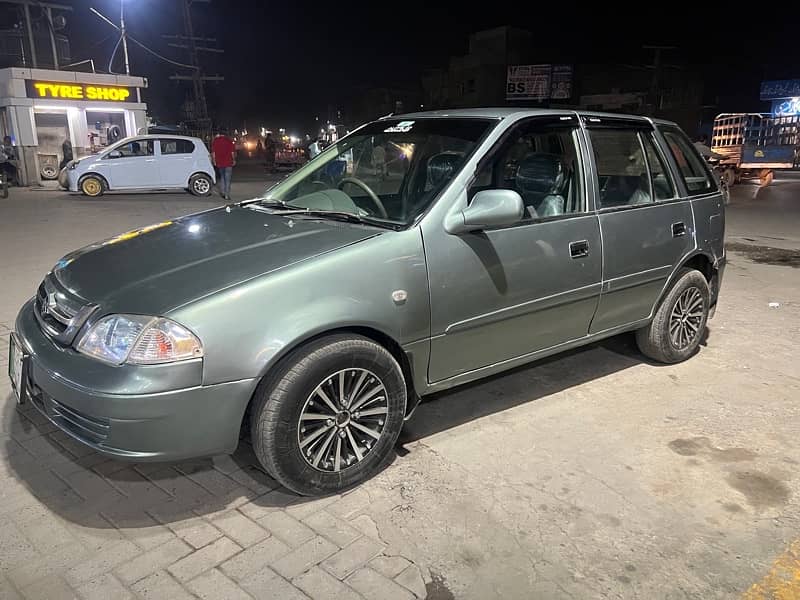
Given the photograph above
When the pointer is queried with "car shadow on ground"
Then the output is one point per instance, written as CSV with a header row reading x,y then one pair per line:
x,y
93,491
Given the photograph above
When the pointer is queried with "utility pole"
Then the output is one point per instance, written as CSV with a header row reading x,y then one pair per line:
x,y
188,41
655,83
32,40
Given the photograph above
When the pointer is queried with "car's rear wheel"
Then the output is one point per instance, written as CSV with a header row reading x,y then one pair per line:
x,y
92,186
679,324
200,185
329,416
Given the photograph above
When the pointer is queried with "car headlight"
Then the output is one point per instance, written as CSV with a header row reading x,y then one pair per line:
x,y
72,165
140,340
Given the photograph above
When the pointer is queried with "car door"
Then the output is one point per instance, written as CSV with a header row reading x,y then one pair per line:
x,y
503,293
647,227
175,161
131,165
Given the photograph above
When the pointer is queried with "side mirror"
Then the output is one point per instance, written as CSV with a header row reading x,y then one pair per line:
x,y
114,154
489,208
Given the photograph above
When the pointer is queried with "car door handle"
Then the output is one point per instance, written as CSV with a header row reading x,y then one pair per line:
x,y
579,249
678,229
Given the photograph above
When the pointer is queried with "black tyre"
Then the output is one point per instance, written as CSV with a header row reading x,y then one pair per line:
x,y
92,186
328,417
679,324
200,184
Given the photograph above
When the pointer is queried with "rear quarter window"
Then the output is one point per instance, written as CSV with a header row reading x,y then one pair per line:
x,y
692,168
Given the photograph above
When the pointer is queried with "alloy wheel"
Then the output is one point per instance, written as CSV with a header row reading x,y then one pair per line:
x,y
342,420
686,318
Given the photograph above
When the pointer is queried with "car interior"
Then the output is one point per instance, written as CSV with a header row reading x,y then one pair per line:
x,y
384,177
624,173
541,164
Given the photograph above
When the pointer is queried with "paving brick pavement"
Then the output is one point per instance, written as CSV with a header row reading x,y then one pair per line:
x,y
74,524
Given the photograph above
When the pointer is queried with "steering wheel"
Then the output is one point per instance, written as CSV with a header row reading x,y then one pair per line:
x,y
373,196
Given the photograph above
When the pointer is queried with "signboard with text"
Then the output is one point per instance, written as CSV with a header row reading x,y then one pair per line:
x,y
60,90
539,82
785,88
561,82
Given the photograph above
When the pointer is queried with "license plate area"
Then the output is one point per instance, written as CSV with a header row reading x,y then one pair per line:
x,y
18,361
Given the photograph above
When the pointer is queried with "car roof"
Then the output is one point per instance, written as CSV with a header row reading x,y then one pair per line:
x,y
506,112
156,136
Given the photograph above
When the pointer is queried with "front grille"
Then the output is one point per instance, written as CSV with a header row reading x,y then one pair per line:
x,y
60,313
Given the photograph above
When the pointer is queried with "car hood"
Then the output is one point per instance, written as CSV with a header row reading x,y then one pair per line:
x,y
163,266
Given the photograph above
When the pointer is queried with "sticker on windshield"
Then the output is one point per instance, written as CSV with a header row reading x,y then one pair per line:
x,y
401,127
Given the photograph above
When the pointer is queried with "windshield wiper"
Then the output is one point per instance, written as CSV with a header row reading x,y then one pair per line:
x,y
336,215
347,217
266,203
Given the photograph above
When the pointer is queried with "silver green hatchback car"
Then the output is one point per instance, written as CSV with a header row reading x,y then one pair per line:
x,y
416,254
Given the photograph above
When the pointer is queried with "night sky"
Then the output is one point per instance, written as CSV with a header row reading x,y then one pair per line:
x,y
287,61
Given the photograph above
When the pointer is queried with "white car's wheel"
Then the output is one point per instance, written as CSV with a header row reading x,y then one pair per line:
x,y
200,185
92,186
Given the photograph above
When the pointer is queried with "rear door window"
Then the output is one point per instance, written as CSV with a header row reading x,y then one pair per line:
x,y
621,168
691,166
659,173
174,146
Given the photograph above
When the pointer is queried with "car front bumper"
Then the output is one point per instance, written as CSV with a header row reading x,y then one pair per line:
x,y
130,412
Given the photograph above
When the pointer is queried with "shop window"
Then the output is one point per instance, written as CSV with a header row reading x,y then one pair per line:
x,y
105,128
173,146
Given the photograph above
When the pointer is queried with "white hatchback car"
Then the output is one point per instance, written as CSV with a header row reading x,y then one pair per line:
x,y
144,162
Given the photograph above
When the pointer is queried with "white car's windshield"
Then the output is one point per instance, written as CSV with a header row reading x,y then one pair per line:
x,y
390,170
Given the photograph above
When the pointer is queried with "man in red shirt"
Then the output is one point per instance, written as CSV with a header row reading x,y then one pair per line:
x,y
223,156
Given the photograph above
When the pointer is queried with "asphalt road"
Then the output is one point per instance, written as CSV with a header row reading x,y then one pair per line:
x,y
592,474
766,216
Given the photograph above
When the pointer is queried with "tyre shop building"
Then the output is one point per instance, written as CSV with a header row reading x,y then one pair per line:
x,y
40,109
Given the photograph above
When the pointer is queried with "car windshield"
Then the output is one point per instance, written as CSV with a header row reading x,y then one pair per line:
x,y
390,170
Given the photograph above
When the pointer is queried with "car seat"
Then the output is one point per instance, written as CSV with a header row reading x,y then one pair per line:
x,y
540,179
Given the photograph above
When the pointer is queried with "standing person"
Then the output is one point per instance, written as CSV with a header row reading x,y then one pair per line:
x,y
66,150
223,156
314,148
270,149
8,157
379,161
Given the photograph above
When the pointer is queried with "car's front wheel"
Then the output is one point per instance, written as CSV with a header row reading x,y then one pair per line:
x,y
200,185
92,186
329,416
679,324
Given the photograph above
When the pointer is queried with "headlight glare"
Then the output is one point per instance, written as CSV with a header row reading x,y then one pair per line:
x,y
112,337
139,339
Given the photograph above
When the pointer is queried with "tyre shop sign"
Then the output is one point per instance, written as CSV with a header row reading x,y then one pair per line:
x,y
63,90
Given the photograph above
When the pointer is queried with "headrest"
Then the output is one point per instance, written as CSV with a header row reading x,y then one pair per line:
x,y
540,173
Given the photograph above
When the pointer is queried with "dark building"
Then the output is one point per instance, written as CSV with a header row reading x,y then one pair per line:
x,y
478,78
672,92
503,68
